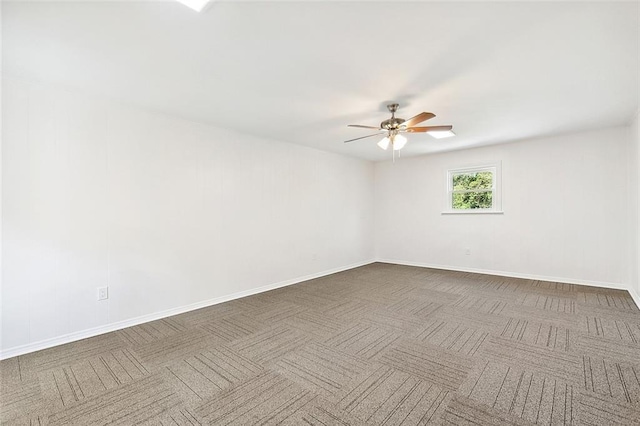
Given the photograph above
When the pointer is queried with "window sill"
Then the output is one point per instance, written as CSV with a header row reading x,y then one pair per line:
x,y
472,212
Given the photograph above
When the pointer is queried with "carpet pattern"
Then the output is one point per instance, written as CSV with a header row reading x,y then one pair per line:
x,y
378,345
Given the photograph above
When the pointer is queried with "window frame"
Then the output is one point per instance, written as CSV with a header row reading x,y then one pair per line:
x,y
496,190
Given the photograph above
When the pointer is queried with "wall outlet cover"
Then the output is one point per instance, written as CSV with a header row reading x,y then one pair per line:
x,y
103,293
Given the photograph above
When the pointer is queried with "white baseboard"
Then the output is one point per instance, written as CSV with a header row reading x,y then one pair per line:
x,y
615,286
92,332
635,296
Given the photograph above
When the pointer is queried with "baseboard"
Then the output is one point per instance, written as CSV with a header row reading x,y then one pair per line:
x,y
92,332
615,286
635,296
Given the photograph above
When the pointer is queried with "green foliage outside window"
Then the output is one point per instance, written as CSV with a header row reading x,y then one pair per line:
x,y
472,191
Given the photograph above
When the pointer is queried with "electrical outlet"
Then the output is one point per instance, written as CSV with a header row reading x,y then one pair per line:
x,y
103,293
467,251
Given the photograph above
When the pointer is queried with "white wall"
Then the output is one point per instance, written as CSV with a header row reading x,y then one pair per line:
x,y
634,197
1,149
565,203
164,211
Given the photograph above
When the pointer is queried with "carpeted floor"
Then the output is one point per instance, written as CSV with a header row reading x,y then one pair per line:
x,y
380,344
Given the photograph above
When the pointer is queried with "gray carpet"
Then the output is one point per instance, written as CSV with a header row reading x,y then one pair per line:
x,y
377,345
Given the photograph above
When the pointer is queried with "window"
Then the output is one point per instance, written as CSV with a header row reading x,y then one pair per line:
x,y
474,190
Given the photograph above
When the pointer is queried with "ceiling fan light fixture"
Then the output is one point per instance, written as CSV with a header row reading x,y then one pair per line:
x,y
441,134
399,142
197,5
384,143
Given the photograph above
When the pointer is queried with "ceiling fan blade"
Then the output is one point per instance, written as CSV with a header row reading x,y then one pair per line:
x,y
427,129
423,116
364,137
363,127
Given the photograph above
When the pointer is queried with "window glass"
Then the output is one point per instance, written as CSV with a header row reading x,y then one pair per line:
x,y
473,181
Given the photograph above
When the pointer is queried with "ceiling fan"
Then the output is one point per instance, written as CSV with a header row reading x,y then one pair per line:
x,y
394,126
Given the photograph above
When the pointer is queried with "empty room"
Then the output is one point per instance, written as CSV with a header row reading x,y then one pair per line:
x,y
320,213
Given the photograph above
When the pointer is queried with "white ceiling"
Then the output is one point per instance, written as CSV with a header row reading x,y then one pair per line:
x,y
301,71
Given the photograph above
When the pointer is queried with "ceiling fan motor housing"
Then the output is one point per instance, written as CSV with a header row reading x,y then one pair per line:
x,y
392,123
